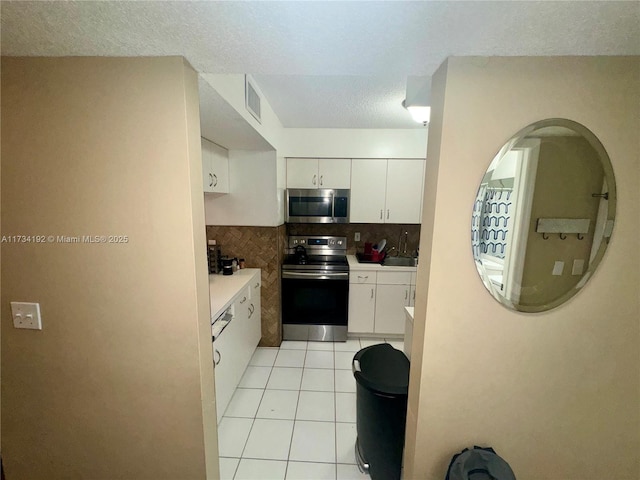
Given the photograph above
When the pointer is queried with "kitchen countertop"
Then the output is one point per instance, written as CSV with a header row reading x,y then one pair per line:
x,y
222,288
409,311
355,265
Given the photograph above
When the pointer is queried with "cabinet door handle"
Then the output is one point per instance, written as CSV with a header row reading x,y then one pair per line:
x,y
321,179
387,214
251,310
372,293
380,214
406,294
257,285
365,277
219,357
414,295
313,181
216,184
211,180
244,299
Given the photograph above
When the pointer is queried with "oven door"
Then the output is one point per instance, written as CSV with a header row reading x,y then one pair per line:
x,y
315,299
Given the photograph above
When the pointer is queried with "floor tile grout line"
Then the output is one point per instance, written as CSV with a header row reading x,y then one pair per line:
x,y
253,422
335,416
295,414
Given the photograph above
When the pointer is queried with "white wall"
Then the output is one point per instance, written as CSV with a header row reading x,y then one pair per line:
x,y
556,393
354,143
232,88
255,197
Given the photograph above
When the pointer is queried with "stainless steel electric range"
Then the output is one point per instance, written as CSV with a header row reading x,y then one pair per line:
x,y
315,289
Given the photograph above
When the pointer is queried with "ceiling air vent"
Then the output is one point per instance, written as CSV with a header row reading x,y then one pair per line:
x,y
252,99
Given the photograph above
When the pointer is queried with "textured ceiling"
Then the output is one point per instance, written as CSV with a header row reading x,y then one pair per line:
x,y
323,64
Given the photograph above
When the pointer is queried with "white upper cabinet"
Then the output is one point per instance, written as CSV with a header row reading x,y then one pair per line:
x,y
368,190
318,172
215,167
386,191
405,180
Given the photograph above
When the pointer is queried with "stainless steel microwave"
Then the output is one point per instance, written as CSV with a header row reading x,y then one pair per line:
x,y
317,205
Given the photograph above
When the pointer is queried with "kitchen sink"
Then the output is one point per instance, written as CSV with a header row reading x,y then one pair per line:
x,y
400,261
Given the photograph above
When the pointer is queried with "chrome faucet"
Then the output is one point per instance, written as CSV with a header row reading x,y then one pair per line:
x,y
406,241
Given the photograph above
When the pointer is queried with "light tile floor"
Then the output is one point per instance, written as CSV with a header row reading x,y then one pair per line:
x,y
293,415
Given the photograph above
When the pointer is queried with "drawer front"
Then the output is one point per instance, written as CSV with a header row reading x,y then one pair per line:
x,y
242,300
394,278
254,286
362,277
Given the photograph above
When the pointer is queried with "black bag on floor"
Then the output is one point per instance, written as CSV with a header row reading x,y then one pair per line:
x,y
479,464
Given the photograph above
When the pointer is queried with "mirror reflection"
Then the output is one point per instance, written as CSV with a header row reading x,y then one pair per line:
x,y
543,215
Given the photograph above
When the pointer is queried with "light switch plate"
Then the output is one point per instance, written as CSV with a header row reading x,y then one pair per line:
x,y
357,237
578,267
26,315
558,267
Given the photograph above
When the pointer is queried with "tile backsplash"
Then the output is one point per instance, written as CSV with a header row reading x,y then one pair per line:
x,y
369,232
261,247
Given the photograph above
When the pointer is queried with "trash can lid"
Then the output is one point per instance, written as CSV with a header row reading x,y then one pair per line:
x,y
382,369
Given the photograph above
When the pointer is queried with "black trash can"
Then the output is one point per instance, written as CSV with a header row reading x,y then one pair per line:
x,y
382,384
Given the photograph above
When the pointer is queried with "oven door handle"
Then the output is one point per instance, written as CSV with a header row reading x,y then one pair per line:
x,y
317,276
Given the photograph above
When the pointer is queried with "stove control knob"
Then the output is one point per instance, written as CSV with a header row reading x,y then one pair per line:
x,y
332,242
303,241
339,242
295,242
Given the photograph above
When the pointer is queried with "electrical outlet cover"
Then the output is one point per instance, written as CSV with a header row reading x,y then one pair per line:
x,y
26,315
558,267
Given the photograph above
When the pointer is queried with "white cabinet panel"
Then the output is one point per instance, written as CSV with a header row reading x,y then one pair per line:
x,y
357,276
318,173
207,166
215,167
362,301
228,369
368,190
302,173
412,296
255,304
390,303
394,278
334,173
404,191
220,168
386,191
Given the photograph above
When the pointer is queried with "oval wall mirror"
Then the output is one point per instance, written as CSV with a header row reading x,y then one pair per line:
x,y
543,215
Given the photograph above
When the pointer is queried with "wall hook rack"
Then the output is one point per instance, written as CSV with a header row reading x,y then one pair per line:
x,y
601,195
563,226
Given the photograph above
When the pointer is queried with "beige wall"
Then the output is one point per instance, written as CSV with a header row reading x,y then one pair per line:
x,y
119,382
558,393
569,171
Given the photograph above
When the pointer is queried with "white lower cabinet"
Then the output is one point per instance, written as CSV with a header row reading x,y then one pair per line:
x,y
377,300
362,307
390,303
233,348
226,366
